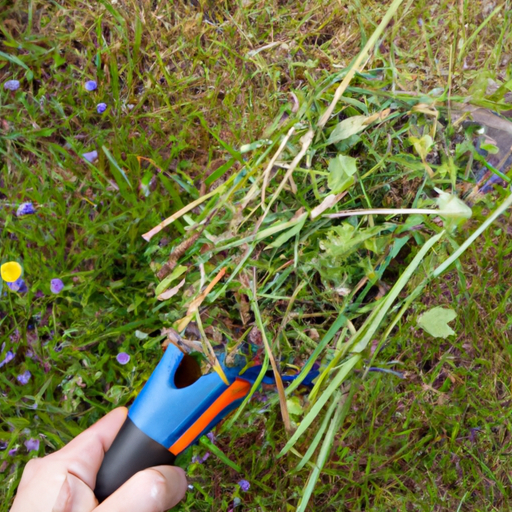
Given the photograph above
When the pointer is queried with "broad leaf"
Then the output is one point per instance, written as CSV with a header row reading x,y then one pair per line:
x,y
435,322
341,173
347,127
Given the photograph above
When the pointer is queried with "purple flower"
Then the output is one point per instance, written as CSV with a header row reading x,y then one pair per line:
x,y
211,437
244,485
18,286
12,85
32,445
101,107
24,377
25,209
8,357
56,285
91,156
200,460
91,85
3,445
13,451
122,357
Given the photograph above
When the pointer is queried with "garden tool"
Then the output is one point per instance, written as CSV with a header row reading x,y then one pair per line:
x,y
175,408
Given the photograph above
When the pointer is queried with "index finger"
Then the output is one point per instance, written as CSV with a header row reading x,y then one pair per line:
x,y
85,453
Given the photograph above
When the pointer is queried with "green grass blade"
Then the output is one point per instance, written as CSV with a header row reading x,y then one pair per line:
x,y
365,333
255,386
339,416
329,335
315,410
316,441
119,175
219,453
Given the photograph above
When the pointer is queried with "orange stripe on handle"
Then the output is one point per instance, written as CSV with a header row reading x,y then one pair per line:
x,y
237,390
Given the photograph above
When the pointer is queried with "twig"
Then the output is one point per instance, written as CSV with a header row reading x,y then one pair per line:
x,y
152,232
266,172
383,211
209,352
359,62
277,375
306,140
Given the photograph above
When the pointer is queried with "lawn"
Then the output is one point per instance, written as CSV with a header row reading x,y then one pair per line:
x,y
249,122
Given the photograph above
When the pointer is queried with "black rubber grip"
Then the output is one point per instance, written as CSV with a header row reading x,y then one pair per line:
x,y
131,452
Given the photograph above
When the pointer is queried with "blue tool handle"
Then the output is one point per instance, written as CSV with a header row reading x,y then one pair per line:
x,y
176,406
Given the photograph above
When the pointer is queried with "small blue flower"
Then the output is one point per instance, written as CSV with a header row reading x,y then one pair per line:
x,y
56,285
244,485
32,445
199,460
101,107
91,85
12,85
8,357
13,452
25,209
24,377
211,437
18,286
91,156
122,357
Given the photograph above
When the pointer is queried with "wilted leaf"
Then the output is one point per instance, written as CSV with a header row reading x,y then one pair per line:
x,y
341,173
327,203
423,108
169,279
452,207
254,145
435,322
347,127
355,124
171,291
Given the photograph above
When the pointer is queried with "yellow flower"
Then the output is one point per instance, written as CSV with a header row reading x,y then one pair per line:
x,y
11,271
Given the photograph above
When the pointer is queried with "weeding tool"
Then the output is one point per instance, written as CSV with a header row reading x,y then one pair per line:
x,y
175,408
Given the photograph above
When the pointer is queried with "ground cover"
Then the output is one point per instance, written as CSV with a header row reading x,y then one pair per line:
x,y
197,99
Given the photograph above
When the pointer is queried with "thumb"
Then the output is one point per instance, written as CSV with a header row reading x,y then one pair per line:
x,y
153,490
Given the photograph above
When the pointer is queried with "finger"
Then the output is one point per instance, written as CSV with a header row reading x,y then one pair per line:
x,y
46,485
152,490
85,453
74,496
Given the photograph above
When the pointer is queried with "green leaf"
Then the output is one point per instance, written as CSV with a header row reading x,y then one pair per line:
x,y
451,206
347,128
435,322
284,237
490,148
169,279
423,145
294,406
345,239
341,173
246,148
463,148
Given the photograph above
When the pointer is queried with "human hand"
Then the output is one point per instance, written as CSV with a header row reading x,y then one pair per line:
x,y
64,481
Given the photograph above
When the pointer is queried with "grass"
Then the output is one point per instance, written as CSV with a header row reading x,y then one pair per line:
x,y
187,86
